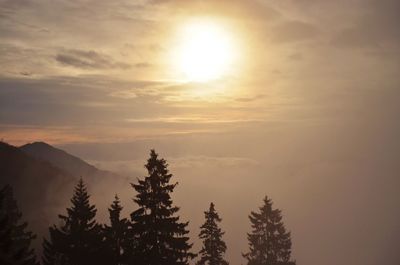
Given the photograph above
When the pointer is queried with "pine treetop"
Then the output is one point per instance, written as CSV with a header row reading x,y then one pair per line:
x,y
115,210
211,226
214,247
81,214
161,236
269,242
153,192
78,240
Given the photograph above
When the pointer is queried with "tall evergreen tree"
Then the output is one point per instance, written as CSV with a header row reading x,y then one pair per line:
x,y
161,238
15,240
269,242
213,250
117,235
78,240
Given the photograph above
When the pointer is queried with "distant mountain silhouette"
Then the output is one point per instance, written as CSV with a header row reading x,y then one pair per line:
x,y
63,160
43,177
28,173
39,187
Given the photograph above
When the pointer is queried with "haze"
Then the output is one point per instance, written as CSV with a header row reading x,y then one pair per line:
x,y
307,113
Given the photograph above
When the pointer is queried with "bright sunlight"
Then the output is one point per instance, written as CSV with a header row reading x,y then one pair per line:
x,y
205,52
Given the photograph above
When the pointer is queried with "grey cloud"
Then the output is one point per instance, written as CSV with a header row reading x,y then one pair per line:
x,y
88,60
296,56
355,38
94,99
252,10
11,5
293,31
250,99
378,27
26,73
64,100
17,59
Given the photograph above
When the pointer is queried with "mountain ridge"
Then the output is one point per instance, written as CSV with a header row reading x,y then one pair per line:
x,y
41,189
43,185
63,160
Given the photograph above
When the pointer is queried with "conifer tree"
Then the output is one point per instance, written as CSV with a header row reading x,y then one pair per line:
x,y
213,250
15,240
78,240
117,235
161,238
269,242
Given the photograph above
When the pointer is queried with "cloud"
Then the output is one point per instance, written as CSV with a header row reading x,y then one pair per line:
x,y
143,65
377,27
245,10
296,56
57,100
125,94
126,167
294,31
250,99
20,134
88,60
91,101
192,120
12,5
26,73
356,37
210,161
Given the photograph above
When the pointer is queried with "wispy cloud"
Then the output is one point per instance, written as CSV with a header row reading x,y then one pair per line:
x,y
377,28
126,167
192,119
88,60
294,31
20,134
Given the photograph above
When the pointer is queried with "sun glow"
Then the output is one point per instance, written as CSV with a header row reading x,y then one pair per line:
x,y
205,51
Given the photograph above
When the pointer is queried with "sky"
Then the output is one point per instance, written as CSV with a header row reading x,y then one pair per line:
x,y
307,113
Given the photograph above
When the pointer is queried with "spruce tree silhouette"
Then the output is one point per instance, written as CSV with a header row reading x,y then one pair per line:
x,y
161,238
15,240
78,241
269,242
117,236
214,247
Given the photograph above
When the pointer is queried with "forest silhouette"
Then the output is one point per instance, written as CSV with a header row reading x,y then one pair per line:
x,y
153,235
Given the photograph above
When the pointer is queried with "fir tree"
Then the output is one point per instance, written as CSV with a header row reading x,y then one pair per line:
x,y
214,247
269,242
15,240
78,240
161,238
117,235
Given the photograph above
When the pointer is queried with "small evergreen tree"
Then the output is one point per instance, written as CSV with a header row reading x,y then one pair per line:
x,y
269,242
78,240
161,238
117,235
214,247
15,240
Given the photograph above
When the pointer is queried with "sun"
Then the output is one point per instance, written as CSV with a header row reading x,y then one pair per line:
x,y
205,51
